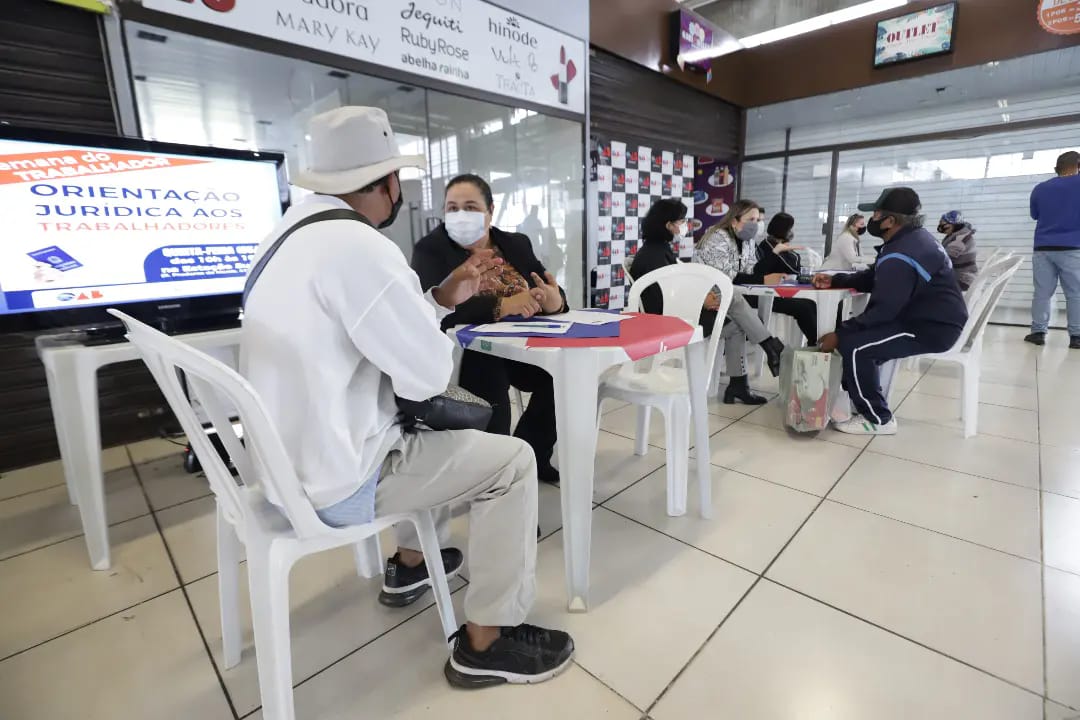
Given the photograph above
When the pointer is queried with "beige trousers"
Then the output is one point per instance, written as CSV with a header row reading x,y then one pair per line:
x,y
495,476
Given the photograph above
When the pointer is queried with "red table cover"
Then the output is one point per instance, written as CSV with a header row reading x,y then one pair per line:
x,y
641,336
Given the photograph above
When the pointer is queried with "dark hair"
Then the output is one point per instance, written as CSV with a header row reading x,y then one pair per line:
x,y
664,211
479,183
1068,161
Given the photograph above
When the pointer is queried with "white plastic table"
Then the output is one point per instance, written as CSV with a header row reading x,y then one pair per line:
x,y
576,373
828,302
71,369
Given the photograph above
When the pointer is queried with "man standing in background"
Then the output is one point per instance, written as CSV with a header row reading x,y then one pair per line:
x,y
1055,207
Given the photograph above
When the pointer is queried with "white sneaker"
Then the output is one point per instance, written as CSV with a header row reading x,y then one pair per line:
x,y
861,426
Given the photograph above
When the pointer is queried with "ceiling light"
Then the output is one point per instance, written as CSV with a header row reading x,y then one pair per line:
x,y
1003,103
799,28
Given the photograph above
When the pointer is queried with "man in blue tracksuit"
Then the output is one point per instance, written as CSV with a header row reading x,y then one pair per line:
x,y
915,307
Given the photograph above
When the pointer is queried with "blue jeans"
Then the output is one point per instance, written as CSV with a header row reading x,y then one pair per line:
x,y
1049,266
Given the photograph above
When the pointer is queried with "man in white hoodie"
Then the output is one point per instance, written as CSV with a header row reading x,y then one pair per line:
x,y
335,326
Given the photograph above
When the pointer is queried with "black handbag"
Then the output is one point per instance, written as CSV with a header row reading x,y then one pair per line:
x,y
455,409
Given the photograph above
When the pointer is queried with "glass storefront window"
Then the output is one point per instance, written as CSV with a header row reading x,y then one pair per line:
x,y
534,162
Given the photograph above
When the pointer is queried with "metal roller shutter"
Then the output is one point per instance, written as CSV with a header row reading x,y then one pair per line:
x,y
633,104
53,74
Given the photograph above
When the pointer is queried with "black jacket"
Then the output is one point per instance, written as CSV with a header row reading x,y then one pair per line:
x,y
652,256
769,262
436,256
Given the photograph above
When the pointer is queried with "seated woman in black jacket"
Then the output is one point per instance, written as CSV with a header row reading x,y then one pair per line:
x,y
522,288
776,254
665,220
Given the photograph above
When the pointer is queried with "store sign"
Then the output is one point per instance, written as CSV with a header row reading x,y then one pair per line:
x,y
1061,17
466,42
915,35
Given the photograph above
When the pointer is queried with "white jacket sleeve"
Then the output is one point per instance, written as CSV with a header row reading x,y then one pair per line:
x,y
399,334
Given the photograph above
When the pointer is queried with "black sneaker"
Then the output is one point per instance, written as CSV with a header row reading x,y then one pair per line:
x,y
525,654
549,475
1074,342
1036,338
404,585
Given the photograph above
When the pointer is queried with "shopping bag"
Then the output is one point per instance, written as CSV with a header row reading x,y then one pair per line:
x,y
809,384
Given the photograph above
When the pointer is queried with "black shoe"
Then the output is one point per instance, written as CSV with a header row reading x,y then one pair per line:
x,y
738,389
773,349
1036,338
524,654
404,585
1074,342
548,475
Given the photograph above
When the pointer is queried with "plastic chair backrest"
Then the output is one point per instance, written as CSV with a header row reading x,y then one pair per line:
x,y
982,307
627,263
997,260
221,392
684,287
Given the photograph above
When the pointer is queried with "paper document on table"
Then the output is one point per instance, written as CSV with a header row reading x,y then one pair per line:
x,y
523,328
586,317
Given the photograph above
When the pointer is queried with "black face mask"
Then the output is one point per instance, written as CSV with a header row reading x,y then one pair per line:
x,y
943,229
396,208
861,231
874,226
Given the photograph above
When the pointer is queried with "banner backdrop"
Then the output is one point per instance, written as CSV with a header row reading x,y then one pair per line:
x,y
466,42
628,181
714,192
91,226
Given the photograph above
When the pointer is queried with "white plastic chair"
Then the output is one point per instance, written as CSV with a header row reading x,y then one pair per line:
x,y
684,287
275,538
967,352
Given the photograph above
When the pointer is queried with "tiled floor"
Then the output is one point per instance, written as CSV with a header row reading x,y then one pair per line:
x,y
921,576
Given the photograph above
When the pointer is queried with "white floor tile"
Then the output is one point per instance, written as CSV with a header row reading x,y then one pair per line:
x,y
988,512
400,677
1023,398
992,371
735,411
1061,532
191,532
993,419
1055,711
147,662
51,474
992,457
782,655
635,573
1061,470
977,605
801,463
1057,414
752,519
156,449
44,517
334,612
772,416
617,468
167,483
53,590
1063,637
623,422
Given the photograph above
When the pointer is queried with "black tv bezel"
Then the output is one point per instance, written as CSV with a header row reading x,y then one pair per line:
x,y
160,313
952,37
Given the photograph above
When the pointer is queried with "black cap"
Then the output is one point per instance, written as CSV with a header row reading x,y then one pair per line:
x,y
899,200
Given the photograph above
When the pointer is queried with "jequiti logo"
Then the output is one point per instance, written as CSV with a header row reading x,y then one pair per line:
x,y
562,79
221,6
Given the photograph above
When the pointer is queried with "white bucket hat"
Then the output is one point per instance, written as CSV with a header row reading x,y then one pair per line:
x,y
350,148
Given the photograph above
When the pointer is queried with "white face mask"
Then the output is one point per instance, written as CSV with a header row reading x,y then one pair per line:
x,y
464,227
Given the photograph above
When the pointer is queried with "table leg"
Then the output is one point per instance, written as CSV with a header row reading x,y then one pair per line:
x,y
82,432
699,412
576,389
56,392
828,304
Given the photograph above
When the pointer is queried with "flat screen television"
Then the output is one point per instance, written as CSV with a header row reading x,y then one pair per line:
x,y
916,35
164,232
